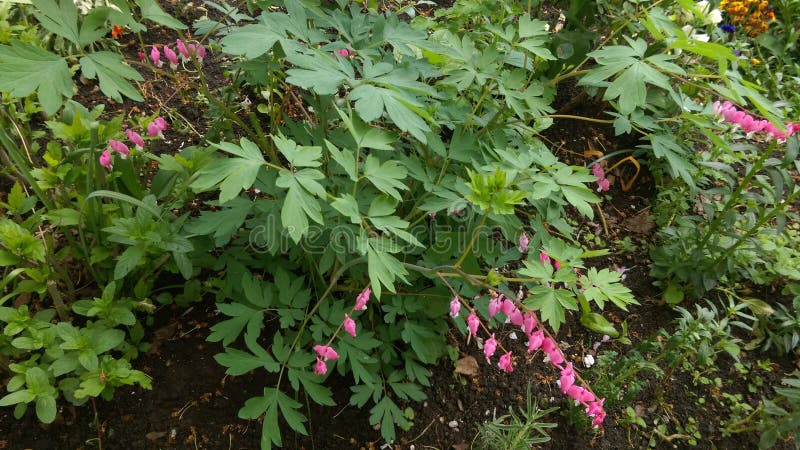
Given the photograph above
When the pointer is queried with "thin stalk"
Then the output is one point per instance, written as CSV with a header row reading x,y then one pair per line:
x,y
767,217
712,228
472,240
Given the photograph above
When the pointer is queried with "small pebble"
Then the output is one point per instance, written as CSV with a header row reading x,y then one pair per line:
x,y
453,424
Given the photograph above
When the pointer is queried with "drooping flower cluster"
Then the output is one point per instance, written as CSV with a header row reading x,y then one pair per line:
x,y
154,129
187,51
602,182
754,15
537,340
326,352
749,124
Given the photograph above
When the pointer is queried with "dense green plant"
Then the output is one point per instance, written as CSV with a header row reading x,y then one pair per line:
x,y
61,359
779,327
780,417
412,151
26,68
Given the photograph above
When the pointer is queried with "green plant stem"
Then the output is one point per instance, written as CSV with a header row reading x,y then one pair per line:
x,y
334,278
754,229
568,116
472,240
738,426
734,197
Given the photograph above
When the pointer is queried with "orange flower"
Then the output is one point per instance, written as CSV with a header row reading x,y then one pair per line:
x,y
117,31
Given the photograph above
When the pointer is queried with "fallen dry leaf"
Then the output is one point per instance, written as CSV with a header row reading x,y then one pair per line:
x,y
467,365
155,435
640,223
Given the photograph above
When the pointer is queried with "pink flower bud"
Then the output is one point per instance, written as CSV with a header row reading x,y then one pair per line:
x,y
172,57
200,52
142,56
362,299
523,242
320,368
119,147
326,352
556,357
567,378
105,160
535,340
349,325
548,346
516,317
182,48
580,394
155,56
505,363
473,322
528,323
544,258
161,123
495,305
135,138
455,307
597,170
507,307
489,347
343,52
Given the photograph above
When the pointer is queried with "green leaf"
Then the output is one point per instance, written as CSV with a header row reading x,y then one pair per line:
x,y
598,324
254,40
112,74
605,285
228,330
23,396
94,25
319,72
129,259
387,176
25,68
223,223
345,158
232,174
150,10
38,382
383,268
298,156
426,343
239,362
543,299
367,136
63,217
347,205
580,197
666,147
387,413
16,196
106,340
312,384
300,204
61,19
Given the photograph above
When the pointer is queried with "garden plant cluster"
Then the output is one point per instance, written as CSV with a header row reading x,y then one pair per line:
x,y
373,178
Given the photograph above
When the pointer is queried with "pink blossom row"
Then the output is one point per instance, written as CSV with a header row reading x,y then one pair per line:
x,y
749,124
154,129
186,51
537,339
